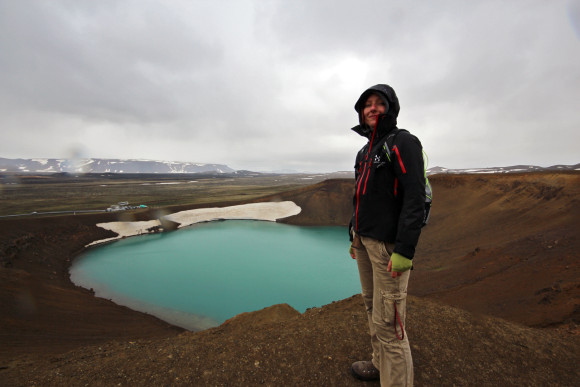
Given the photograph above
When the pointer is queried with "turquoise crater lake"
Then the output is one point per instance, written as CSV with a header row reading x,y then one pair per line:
x,y
202,275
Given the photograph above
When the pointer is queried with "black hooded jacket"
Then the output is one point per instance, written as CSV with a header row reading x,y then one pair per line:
x,y
389,199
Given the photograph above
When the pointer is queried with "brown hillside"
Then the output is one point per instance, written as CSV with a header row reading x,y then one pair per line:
x,y
325,203
489,238
497,246
504,245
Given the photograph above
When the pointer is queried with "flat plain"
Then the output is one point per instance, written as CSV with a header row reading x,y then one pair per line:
x,y
27,193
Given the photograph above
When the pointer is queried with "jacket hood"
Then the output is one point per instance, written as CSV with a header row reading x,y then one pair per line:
x,y
386,92
389,119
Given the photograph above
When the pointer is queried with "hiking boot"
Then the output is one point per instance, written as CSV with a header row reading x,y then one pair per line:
x,y
365,370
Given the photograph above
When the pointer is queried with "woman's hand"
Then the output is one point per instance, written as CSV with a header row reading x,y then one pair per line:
x,y
399,264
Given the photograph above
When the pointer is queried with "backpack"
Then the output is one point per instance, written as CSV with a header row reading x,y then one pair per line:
x,y
388,149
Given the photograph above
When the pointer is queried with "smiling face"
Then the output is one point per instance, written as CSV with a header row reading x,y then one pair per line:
x,y
373,107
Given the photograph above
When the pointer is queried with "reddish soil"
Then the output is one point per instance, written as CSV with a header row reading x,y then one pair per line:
x,y
505,246
495,298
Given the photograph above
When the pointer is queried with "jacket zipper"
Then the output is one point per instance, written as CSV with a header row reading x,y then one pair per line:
x,y
360,179
367,170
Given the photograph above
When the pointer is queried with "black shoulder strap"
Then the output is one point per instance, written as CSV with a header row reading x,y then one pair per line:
x,y
388,147
392,135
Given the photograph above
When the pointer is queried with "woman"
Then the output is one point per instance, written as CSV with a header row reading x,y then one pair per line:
x,y
388,213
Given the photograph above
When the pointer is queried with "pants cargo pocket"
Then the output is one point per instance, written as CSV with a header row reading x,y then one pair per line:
x,y
394,311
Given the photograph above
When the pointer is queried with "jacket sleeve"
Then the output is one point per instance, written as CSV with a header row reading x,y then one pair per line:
x,y
409,171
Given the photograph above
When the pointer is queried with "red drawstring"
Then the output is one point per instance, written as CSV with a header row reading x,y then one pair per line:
x,y
372,138
397,318
367,179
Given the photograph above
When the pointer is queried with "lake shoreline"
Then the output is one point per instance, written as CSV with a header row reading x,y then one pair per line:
x,y
260,272
46,313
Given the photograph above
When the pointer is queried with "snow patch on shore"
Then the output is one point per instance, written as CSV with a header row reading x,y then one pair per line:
x,y
256,211
268,211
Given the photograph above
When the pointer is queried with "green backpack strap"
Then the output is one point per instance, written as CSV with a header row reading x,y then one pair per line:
x,y
428,191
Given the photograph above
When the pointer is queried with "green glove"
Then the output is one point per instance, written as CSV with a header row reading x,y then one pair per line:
x,y
400,263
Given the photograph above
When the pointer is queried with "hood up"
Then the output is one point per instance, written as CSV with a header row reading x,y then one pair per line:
x,y
389,119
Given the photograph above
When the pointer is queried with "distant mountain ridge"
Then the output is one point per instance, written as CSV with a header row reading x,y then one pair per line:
x,y
510,169
40,165
107,166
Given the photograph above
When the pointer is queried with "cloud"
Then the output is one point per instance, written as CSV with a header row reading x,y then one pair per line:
x,y
271,84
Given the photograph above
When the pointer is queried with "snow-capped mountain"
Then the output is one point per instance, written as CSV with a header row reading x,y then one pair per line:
x,y
107,166
164,167
511,169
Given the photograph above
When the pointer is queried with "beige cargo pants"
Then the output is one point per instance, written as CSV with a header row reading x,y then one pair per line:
x,y
385,299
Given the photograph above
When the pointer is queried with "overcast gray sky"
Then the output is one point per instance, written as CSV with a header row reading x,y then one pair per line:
x,y
270,85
